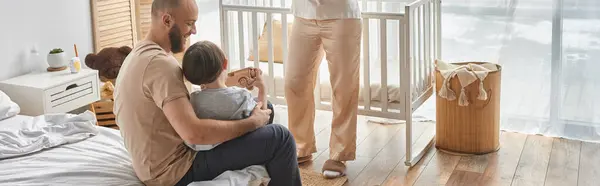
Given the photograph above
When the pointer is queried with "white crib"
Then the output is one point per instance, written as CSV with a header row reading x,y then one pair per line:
x,y
403,76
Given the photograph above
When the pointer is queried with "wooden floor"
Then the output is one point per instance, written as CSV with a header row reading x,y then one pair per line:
x,y
522,159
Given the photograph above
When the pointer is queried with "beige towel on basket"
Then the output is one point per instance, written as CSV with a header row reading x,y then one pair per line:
x,y
466,74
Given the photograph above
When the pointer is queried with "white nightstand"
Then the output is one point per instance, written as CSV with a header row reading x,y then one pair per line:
x,y
53,92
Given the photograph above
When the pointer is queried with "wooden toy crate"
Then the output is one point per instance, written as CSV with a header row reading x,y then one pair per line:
x,y
104,113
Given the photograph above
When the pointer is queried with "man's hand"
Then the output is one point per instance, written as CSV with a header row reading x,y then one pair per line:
x,y
260,116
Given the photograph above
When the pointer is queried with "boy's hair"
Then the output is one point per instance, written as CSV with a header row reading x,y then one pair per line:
x,y
203,62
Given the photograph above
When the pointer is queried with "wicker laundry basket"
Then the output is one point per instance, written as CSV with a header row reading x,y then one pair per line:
x,y
468,123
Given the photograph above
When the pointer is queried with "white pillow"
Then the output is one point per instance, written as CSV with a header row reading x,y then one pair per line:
x,y
8,108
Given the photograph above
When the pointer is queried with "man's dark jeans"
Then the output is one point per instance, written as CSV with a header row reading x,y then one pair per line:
x,y
272,145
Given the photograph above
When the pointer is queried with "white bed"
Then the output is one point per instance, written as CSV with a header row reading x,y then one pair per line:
x,y
71,149
97,160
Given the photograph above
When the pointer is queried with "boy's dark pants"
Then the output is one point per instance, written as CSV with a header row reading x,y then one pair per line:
x,y
270,106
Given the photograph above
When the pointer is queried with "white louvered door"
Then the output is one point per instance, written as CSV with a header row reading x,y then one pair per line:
x,y
143,12
113,23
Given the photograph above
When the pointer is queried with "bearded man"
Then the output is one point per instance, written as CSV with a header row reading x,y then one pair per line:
x,y
155,117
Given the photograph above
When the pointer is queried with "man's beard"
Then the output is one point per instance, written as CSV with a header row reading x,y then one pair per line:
x,y
175,39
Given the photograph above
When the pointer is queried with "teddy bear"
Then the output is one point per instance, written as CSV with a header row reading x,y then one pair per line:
x,y
108,61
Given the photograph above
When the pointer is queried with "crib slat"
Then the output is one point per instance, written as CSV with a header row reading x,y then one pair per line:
x,y
404,56
419,45
383,48
241,38
415,53
424,57
421,60
409,65
225,35
427,75
367,81
255,36
250,36
284,40
270,38
406,82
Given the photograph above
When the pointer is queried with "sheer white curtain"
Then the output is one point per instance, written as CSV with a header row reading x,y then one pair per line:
x,y
550,53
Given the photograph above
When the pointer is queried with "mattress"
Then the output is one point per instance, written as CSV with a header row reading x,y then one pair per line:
x,y
98,160
394,90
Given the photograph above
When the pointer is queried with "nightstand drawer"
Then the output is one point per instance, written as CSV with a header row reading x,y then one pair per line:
x,y
53,92
72,94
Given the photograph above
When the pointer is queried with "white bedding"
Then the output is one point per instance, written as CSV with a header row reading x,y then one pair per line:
x,y
63,149
28,135
8,108
97,160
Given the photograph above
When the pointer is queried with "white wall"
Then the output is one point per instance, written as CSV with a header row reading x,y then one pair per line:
x,y
208,24
47,23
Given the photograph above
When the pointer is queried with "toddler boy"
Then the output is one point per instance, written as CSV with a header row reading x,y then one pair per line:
x,y
205,64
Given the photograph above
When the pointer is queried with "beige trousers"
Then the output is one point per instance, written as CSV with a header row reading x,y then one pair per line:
x,y
339,40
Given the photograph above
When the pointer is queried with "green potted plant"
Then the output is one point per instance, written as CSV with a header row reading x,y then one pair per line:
x,y
57,58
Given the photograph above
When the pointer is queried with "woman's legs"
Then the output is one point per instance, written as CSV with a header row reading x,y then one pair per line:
x,y
341,41
305,55
271,145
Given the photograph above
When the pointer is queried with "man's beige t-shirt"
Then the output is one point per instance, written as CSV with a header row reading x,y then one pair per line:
x,y
149,78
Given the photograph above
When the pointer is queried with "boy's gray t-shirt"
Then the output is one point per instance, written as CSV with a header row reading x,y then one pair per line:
x,y
231,103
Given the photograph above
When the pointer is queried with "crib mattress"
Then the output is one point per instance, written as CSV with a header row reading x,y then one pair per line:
x,y
393,84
